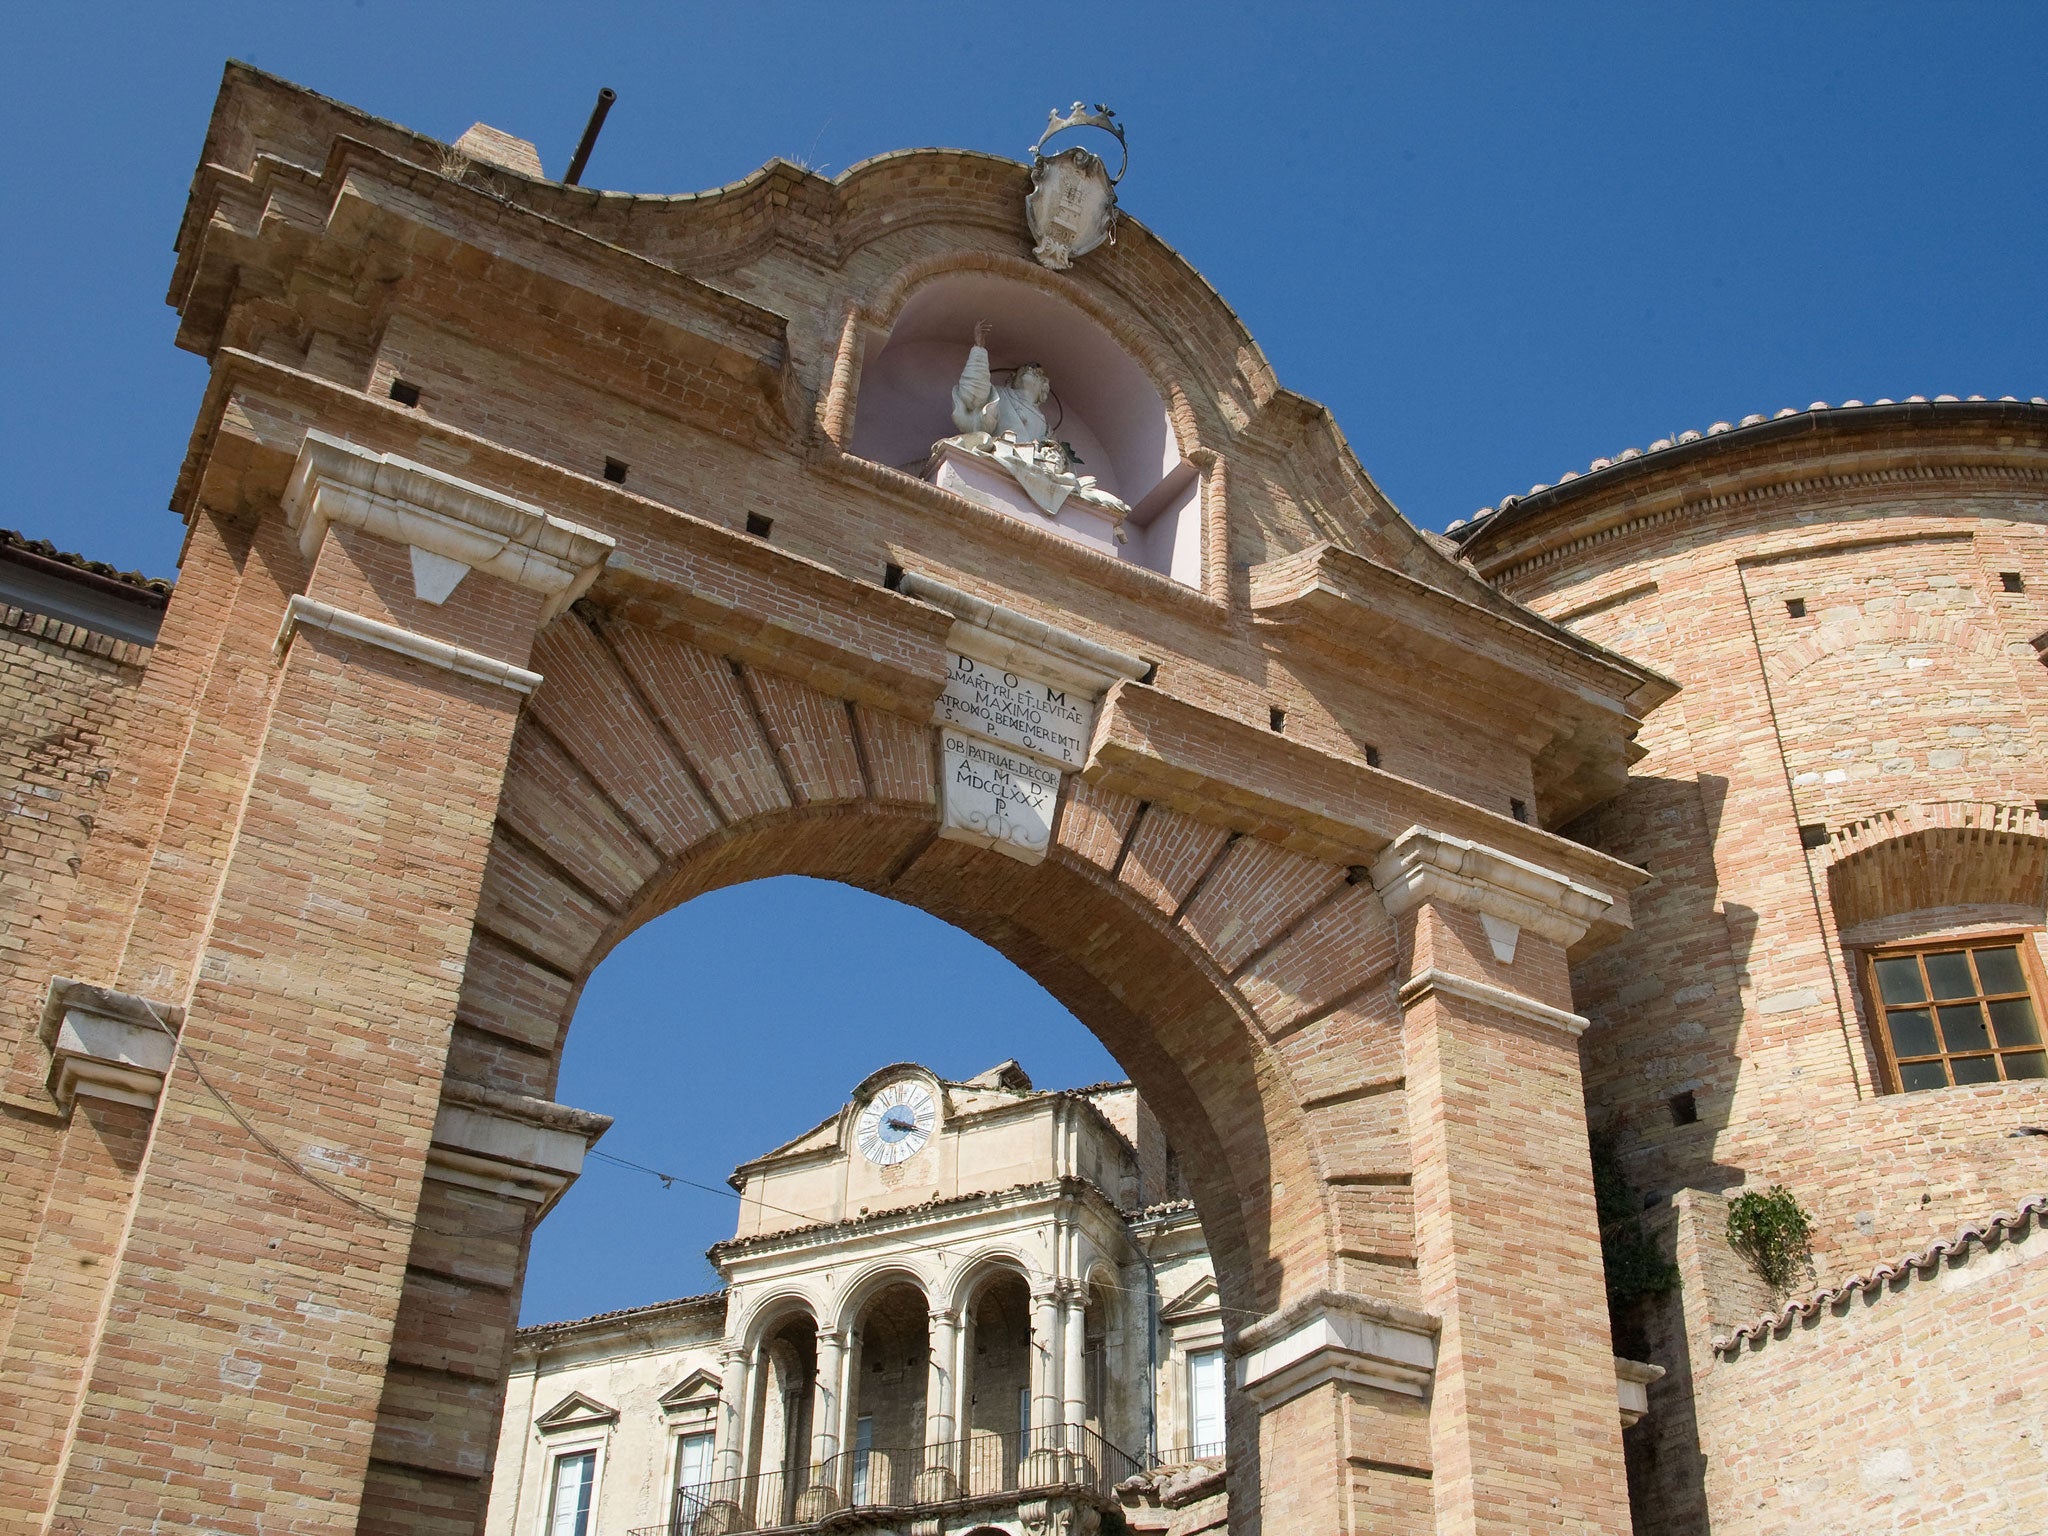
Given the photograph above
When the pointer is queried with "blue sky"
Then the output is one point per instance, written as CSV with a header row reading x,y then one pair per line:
x,y
1498,241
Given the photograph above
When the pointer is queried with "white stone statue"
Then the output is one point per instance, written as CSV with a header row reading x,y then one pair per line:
x,y
1006,423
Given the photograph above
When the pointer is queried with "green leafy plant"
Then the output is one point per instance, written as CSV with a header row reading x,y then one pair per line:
x,y
1636,1267
1768,1228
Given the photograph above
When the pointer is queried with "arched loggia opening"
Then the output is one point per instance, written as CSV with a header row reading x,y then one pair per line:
x,y
998,1380
887,1394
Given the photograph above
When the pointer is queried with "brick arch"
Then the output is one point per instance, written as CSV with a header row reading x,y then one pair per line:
x,y
650,771
1949,853
1893,628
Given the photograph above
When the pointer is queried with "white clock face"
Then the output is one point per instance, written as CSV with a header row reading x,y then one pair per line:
x,y
896,1124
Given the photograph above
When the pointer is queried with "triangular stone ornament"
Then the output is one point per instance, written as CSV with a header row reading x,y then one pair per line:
x,y
1199,1297
576,1411
1502,935
435,576
694,1389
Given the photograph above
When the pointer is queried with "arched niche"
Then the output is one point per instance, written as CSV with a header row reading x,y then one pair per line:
x,y
1104,404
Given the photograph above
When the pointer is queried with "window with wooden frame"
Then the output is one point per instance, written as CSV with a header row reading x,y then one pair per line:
x,y
1960,1011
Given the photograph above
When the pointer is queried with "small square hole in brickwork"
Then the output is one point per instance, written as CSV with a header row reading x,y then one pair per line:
x,y
760,527
1276,717
2011,581
1372,756
1795,607
892,576
404,393
1519,809
1684,1110
1813,834
2041,809
1151,673
615,471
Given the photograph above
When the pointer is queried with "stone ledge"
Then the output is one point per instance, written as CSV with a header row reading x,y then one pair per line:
x,y
448,518
1335,1336
1422,865
106,1044
1632,1380
305,611
510,1145
1420,985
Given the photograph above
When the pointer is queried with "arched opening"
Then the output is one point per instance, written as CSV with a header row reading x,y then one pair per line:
x,y
626,802
998,1380
786,1370
892,1357
1102,404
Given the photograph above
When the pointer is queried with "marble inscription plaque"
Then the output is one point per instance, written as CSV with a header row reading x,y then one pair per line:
x,y
997,799
1023,711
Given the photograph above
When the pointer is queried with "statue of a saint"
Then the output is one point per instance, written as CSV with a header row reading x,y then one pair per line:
x,y
1006,423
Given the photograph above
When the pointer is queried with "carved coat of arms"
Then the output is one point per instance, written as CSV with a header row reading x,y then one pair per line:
x,y
1072,205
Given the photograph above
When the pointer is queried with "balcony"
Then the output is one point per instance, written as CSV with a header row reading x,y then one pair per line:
x,y
1061,1461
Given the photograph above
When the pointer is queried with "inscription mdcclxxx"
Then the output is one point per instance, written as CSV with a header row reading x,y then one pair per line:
x,y
998,799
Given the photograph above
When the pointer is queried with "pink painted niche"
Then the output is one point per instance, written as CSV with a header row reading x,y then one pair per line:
x,y
1106,406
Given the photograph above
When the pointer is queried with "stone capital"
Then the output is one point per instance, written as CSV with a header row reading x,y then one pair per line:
x,y
1423,866
106,1044
509,1145
1336,1336
451,525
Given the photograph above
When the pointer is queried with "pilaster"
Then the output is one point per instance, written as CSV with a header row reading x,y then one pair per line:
x,y
328,932
1524,1432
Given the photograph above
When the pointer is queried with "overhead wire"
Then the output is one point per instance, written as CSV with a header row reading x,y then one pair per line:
x,y
183,1048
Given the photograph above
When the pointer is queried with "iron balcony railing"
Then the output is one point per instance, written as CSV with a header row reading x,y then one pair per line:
x,y
1187,1455
981,1466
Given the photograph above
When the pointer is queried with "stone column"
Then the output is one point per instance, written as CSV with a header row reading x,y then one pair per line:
x,y
822,1496
1041,1464
939,1478
305,1091
1524,1421
735,1402
1074,1375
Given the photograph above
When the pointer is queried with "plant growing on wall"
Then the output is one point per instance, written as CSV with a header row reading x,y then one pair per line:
x,y
1636,1267
1768,1228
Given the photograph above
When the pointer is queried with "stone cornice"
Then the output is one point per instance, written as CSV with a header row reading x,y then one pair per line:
x,y
1428,866
304,612
1834,482
1420,985
1336,1336
105,1044
470,525
1363,605
1005,637
510,1145
1224,771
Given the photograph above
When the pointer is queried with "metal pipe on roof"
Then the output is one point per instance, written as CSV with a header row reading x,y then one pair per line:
x,y
581,158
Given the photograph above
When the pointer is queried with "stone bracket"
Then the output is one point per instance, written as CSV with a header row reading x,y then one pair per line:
x,y
1422,866
509,1145
305,611
106,1044
453,522
1333,1336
